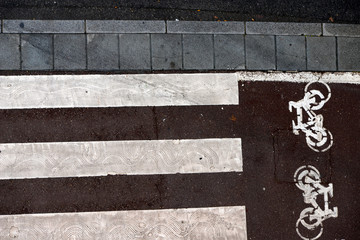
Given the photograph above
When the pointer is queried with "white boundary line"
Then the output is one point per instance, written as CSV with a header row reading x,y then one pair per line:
x,y
300,77
188,223
75,159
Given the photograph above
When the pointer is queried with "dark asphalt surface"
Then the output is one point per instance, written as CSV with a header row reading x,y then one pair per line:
x,y
341,11
271,154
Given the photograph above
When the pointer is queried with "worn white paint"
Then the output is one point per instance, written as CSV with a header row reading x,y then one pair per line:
x,y
67,159
60,91
226,223
301,77
307,179
318,138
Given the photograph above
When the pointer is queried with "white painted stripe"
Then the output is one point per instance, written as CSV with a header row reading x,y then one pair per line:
x,y
299,77
227,223
57,91
74,159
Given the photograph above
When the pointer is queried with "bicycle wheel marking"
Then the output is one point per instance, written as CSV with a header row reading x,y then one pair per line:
x,y
309,226
318,138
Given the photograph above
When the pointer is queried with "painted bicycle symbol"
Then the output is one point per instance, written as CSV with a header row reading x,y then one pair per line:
x,y
310,222
317,137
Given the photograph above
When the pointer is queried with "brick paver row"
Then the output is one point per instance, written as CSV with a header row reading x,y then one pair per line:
x,y
177,52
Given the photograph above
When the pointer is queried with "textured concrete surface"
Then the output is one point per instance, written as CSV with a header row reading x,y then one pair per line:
x,y
198,51
229,52
260,52
321,53
290,53
135,51
103,51
37,52
9,52
69,52
166,51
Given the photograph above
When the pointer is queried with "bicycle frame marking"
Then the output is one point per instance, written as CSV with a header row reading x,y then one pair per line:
x,y
308,180
318,138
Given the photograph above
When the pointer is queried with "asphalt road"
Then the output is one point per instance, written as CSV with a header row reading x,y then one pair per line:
x,y
271,154
340,11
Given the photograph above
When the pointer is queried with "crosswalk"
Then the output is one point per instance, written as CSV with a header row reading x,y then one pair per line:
x,y
51,159
168,156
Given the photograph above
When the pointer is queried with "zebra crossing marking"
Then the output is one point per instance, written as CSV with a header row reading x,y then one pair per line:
x,y
101,158
189,223
64,91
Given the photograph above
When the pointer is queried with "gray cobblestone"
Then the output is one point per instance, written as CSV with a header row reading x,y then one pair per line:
x,y
44,26
203,27
333,29
290,53
103,51
260,52
37,51
135,51
9,52
321,53
166,51
348,54
229,52
124,26
281,28
198,51
69,51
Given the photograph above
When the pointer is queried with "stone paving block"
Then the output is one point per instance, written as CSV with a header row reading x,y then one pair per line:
x,y
9,52
229,51
348,54
321,53
260,52
290,53
44,26
204,27
103,51
70,51
124,26
37,51
166,51
282,28
198,51
334,29
134,51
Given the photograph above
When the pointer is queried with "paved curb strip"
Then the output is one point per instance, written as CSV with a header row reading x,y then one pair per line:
x,y
43,26
205,27
281,28
55,91
76,159
158,26
190,223
125,26
333,29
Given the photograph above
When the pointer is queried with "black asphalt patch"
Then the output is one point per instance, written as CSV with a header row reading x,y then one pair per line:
x,y
271,154
267,10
